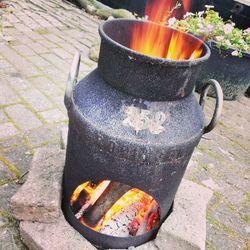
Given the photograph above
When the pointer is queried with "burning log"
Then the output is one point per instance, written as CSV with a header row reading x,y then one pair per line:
x,y
115,209
146,220
79,203
112,193
86,195
118,224
132,214
136,219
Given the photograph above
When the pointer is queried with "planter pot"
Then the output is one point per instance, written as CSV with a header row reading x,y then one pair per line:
x,y
232,72
238,11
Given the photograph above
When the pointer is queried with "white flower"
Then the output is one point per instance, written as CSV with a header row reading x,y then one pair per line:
x,y
245,47
208,29
209,6
241,41
246,31
228,43
200,25
205,29
188,14
235,53
219,38
200,13
171,21
228,28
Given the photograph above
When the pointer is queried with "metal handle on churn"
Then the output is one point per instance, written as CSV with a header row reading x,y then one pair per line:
x,y
218,105
72,79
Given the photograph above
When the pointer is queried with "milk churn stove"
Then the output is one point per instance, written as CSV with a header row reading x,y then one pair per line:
x,y
134,120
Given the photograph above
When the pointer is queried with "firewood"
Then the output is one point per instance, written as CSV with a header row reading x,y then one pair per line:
x,y
87,197
147,222
77,205
113,192
118,225
128,222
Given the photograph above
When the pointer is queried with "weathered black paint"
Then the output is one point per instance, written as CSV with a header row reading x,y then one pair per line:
x,y
142,76
232,72
101,147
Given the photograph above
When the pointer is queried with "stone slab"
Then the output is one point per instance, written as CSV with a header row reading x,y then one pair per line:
x,y
7,239
185,228
7,130
59,235
148,246
53,115
39,199
23,118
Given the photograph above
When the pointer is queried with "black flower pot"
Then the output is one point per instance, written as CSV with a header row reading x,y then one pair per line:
x,y
238,11
231,71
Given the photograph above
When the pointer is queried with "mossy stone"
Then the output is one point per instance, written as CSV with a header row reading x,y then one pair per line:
x,y
122,13
104,13
84,3
94,52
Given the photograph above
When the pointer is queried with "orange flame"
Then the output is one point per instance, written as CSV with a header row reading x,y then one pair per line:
x,y
148,209
159,10
186,5
160,41
93,192
149,213
132,196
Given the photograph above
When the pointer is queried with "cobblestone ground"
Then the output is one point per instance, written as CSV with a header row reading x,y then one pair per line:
x,y
40,38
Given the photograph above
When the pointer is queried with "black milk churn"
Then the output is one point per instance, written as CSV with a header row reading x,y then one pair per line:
x,y
133,120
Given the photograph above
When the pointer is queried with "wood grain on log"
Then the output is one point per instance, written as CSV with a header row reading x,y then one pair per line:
x,y
113,192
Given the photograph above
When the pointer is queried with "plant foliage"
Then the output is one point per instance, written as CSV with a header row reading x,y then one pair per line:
x,y
210,26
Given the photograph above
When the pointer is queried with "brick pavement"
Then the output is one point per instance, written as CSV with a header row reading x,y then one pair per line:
x,y
40,38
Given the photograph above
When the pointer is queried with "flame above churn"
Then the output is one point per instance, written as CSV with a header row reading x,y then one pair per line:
x,y
158,41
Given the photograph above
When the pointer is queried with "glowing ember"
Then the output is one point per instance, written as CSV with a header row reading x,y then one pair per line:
x,y
159,41
136,211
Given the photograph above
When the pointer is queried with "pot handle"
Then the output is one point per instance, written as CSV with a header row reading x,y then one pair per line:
x,y
72,79
218,105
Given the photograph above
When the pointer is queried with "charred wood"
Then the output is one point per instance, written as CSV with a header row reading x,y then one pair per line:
x,y
113,192
77,205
